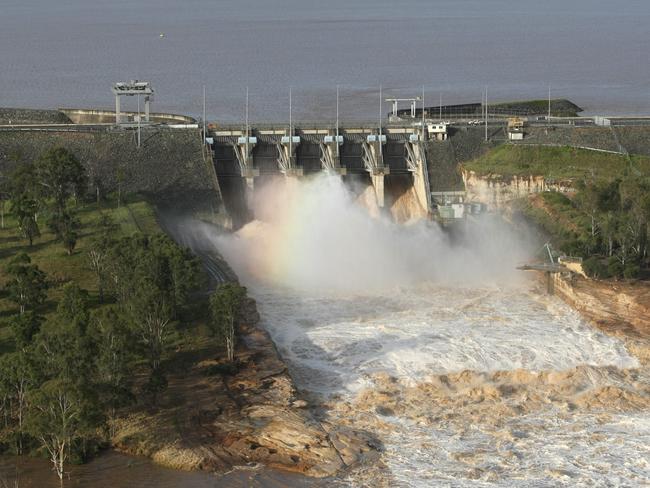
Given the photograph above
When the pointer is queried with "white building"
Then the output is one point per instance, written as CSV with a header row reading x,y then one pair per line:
x,y
437,132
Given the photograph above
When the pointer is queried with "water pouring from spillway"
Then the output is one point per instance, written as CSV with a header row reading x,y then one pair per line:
x,y
436,344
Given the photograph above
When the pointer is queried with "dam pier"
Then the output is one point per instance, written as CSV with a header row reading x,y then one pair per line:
x,y
387,157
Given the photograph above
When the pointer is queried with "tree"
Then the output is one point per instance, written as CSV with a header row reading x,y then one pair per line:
x,y
25,209
225,303
73,307
18,378
588,199
100,247
115,354
23,189
60,176
64,226
120,176
151,278
635,200
56,420
24,327
27,285
184,268
24,181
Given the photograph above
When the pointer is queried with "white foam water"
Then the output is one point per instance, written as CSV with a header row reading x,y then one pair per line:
x,y
413,333
337,344
433,342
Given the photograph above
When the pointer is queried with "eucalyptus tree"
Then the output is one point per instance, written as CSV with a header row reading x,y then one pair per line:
x,y
27,285
225,304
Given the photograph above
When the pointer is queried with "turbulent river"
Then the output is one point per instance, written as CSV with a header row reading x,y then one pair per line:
x,y
464,370
459,366
467,385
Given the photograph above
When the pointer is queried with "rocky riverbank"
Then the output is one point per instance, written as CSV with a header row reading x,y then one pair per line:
x,y
618,308
214,422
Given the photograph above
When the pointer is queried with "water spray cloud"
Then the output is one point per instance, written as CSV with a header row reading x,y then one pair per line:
x,y
313,234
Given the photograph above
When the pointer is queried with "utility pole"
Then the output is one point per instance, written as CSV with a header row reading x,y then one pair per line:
x,y
138,120
290,127
380,119
440,106
549,106
204,133
247,129
486,114
422,112
337,120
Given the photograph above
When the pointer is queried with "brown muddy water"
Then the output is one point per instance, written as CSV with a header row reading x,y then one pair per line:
x,y
114,470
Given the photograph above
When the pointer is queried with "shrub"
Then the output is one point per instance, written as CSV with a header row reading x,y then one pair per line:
x,y
614,267
595,268
631,271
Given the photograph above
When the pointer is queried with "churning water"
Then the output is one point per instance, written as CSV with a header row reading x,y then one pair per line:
x,y
465,372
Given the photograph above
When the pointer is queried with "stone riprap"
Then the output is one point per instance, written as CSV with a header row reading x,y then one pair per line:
x,y
169,168
31,116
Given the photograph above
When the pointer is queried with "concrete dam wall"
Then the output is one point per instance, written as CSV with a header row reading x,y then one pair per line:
x,y
390,167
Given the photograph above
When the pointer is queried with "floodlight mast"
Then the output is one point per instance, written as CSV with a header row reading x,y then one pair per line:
x,y
247,128
380,119
138,120
486,114
204,133
290,127
549,105
423,112
337,121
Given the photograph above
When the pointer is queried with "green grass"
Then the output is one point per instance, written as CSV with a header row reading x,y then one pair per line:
x,y
555,163
134,216
555,215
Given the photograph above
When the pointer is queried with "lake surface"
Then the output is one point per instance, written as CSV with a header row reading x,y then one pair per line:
x,y
69,52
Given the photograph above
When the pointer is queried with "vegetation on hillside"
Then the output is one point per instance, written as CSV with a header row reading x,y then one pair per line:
x,y
557,163
94,300
605,222
604,219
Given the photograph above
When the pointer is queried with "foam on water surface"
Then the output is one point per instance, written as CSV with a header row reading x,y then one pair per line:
x,y
429,330
433,342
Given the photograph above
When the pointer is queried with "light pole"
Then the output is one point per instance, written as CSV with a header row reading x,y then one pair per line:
x,y
204,133
337,120
486,114
247,128
138,120
380,119
290,127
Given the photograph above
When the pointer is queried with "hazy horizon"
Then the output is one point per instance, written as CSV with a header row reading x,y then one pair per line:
x,y
68,53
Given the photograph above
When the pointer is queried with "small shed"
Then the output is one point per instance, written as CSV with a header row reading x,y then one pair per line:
x,y
438,131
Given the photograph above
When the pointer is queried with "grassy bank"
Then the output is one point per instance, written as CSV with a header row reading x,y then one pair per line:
x,y
134,216
556,163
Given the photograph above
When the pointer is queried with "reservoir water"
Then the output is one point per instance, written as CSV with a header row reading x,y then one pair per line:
x,y
69,52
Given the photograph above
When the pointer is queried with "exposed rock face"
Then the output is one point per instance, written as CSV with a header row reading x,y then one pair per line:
x,y
496,190
252,416
622,308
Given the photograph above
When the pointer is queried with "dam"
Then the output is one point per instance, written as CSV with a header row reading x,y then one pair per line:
x,y
461,367
389,159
